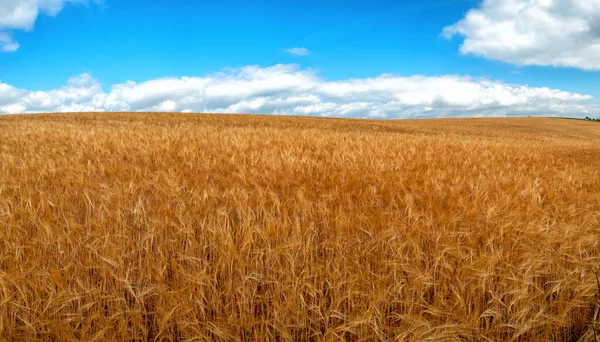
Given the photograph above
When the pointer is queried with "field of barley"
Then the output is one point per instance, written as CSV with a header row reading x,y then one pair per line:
x,y
175,227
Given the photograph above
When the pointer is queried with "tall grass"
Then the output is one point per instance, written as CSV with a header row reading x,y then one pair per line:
x,y
181,227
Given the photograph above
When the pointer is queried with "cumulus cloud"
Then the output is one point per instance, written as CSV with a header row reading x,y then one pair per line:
x,y
298,51
22,14
560,33
288,89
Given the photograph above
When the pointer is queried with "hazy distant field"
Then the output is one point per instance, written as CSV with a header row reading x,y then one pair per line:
x,y
204,227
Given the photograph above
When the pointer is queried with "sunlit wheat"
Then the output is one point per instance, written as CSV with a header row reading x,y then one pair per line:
x,y
222,227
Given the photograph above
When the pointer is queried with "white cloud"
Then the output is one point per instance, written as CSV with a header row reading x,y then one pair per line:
x,y
298,51
560,33
7,44
288,89
22,14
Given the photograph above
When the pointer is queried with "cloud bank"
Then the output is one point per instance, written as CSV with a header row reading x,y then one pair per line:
x,y
289,89
22,14
560,33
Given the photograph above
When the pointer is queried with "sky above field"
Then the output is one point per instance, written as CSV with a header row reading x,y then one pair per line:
x,y
376,58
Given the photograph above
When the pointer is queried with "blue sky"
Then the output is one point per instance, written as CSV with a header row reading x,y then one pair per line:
x,y
101,46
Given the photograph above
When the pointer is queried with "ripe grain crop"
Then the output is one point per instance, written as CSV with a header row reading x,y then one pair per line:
x,y
168,227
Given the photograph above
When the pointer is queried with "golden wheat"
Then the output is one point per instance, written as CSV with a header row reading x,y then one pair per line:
x,y
162,227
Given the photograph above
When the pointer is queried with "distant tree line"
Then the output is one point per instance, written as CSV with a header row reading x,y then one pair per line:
x,y
592,119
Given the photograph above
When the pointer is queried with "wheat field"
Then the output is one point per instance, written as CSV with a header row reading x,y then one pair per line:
x,y
175,227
